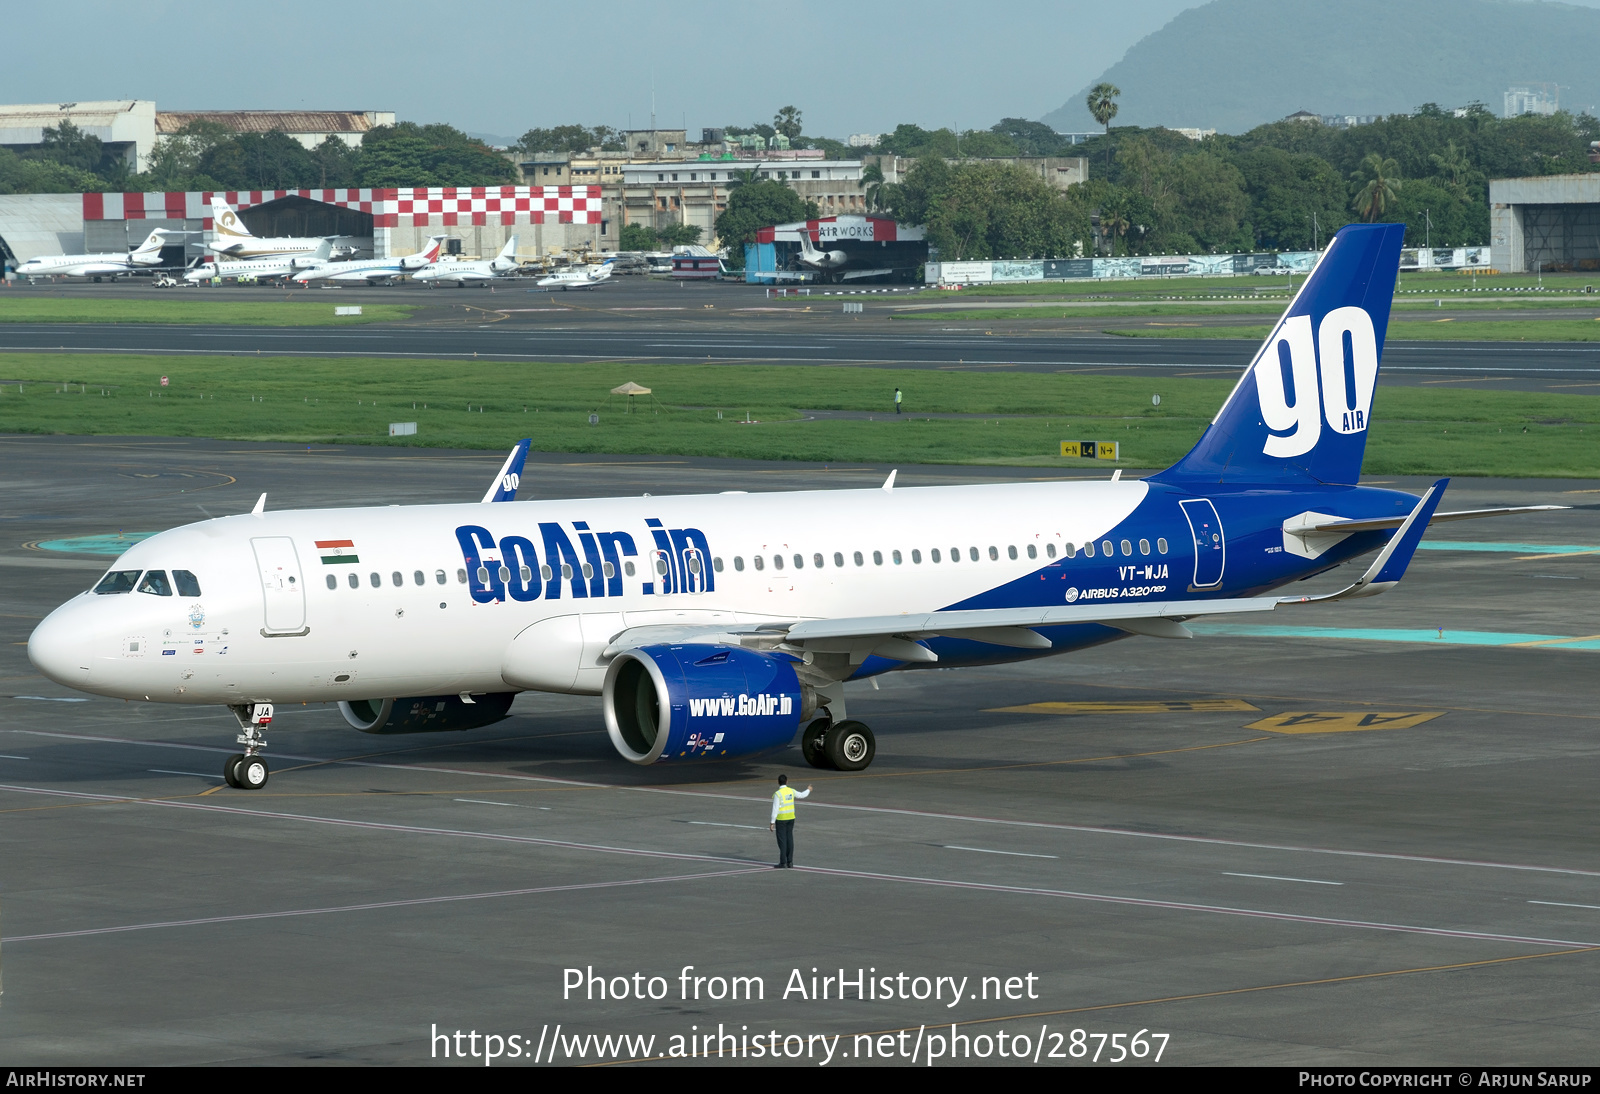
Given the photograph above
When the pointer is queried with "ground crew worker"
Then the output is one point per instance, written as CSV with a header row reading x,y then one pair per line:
x,y
897,400
782,821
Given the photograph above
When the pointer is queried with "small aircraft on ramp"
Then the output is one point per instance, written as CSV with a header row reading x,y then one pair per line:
x,y
578,277
500,266
143,257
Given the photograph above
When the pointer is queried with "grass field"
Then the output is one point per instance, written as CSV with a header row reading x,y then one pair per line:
x,y
1445,330
193,307
311,400
1481,285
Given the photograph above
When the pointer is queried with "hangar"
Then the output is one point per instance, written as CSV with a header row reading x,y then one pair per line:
x,y
877,249
1545,223
380,222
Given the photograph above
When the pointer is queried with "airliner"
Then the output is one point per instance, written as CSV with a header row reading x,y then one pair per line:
x,y
490,269
142,257
578,277
232,239
724,626
371,271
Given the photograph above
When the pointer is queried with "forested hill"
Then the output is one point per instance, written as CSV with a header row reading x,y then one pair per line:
x,y
1235,64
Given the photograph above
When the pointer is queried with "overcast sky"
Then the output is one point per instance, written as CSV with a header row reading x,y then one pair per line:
x,y
851,67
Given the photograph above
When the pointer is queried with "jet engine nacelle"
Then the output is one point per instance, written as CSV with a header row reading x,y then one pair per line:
x,y
426,713
679,703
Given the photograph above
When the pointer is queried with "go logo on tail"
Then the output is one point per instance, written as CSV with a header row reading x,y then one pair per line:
x,y
1341,366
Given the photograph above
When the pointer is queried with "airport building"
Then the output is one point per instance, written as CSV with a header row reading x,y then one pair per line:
x,y
1544,223
378,222
876,249
130,127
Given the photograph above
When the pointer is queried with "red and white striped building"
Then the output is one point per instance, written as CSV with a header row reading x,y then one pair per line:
x,y
394,220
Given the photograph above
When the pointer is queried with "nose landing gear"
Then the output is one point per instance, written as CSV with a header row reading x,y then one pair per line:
x,y
248,770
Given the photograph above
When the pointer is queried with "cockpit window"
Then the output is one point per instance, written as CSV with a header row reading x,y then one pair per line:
x,y
156,584
117,581
187,583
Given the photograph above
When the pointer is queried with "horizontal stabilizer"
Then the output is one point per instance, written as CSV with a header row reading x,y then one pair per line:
x,y
1390,565
1341,526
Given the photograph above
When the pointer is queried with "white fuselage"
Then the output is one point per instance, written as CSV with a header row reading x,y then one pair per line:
x,y
100,265
279,620
461,271
260,268
246,247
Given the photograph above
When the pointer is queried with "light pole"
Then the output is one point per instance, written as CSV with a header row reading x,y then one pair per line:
x,y
1427,238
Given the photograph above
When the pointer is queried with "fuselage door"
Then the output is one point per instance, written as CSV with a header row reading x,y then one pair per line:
x,y
1210,546
282,588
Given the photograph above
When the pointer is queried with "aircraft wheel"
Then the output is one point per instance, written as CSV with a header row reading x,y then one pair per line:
x,y
230,774
251,773
849,746
813,743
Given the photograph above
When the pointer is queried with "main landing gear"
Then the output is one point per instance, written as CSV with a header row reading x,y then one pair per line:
x,y
248,770
842,746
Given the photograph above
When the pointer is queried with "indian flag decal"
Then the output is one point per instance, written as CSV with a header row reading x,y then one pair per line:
x,y
337,551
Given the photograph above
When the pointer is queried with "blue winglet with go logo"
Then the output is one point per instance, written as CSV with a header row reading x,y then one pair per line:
x,y
504,487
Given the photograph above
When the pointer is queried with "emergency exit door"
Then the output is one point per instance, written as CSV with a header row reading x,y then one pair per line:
x,y
1210,545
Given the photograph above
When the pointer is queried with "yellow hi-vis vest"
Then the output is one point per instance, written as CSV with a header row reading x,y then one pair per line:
x,y
785,798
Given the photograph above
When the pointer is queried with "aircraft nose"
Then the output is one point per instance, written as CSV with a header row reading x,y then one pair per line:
x,y
60,647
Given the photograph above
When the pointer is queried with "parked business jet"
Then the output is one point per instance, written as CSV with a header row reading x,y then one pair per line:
x,y
813,258
720,626
260,269
501,265
578,277
233,240
372,271
112,264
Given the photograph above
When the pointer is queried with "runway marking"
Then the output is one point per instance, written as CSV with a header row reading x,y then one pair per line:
x,y
374,906
1275,877
475,801
1333,721
718,824
989,851
1560,904
1558,641
166,771
5,757
1542,549
1138,706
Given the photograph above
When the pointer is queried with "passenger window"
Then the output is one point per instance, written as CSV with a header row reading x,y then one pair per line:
x,y
438,575
1033,552
1088,549
483,575
694,565
1127,549
566,570
627,568
155,583
1106,549
608,570
661,568
355,582
816,560
333,582
916,556
588,570
546,573
994,554
1011,552
375,580
955,554
761,563
777,562
187,583
972,553
1144,546
1070,550
117,581
838,559
859,560
1161,546
461,577
419,578
397,579
877,558
738,563
896,556
525,573
716,564
799,562
933,555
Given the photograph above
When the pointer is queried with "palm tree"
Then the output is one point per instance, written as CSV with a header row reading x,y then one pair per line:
x,y
1102,103
1114,220
872,181
1452,168
742,176
1382,180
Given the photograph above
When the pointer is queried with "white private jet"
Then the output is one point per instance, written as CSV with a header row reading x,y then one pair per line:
x,y
460,274
722,626
371,271
233,240
814,258
260,269
143,257
578,277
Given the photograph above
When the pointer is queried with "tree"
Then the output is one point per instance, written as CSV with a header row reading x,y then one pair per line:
x,y
19,175
1031,138
757,205
1382,182
175,160
561,138
637,237
260,161
1102,103
974,210
70,146
408,154
787,122
678,235
872,182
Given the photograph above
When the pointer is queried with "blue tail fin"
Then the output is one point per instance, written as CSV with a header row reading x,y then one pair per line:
x,y
505,484
1300,412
